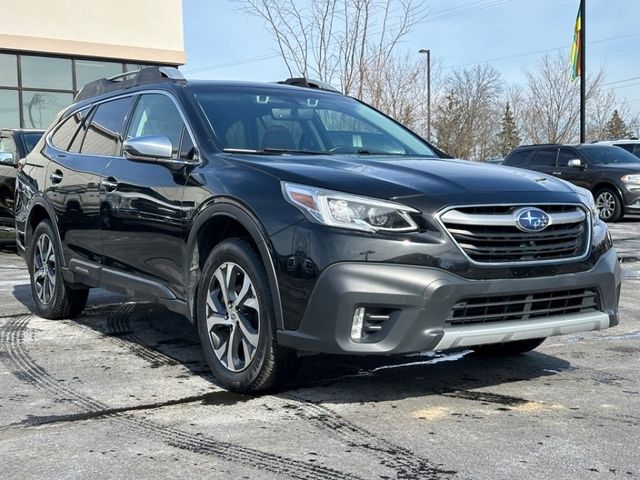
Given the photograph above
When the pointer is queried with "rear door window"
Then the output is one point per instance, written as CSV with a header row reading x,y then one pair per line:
x,y
517,159
105,132
544,158
65,133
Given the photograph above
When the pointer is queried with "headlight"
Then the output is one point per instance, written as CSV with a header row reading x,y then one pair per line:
x,y
631,179
344,210
589,201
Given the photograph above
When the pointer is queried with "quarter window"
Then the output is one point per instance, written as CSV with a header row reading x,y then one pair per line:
x,y
105,131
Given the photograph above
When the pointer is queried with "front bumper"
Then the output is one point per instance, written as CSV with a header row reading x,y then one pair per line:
x,y
421,300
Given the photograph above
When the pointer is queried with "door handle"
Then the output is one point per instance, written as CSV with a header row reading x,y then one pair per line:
x,y
56,177
110,184
556,173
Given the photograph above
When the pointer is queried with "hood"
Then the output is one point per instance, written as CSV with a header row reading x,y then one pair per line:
x,y
396,178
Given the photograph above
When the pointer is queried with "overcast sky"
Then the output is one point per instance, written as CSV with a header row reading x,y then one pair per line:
x,y
224,43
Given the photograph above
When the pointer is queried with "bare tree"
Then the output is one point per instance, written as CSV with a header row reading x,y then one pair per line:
x,y
337,41
468,116
552,108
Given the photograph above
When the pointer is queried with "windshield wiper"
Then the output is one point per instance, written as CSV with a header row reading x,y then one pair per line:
x,y
271,151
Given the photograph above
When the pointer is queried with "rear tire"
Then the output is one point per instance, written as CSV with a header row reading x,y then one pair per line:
x,y
609,205
236,322
53,297
508,348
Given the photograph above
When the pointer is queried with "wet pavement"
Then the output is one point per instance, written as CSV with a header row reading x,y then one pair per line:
x,y
123,392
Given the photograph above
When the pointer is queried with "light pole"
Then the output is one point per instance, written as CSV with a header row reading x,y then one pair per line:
x,y
428,72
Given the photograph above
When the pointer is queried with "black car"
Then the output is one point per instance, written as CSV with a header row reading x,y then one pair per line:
x,y
611,173
14,145
285,220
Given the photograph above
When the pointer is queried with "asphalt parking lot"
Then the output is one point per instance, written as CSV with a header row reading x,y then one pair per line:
x,y
123,392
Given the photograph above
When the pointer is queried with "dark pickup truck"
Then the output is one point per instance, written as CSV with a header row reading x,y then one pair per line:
x,y
15,144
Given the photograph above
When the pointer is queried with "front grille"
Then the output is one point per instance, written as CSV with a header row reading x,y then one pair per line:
x,y
489,234
523,306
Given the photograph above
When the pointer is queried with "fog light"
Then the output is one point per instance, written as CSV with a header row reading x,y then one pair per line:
x,y
358,324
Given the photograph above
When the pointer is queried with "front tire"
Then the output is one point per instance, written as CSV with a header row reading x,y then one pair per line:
x,y
609,205
508,348
53,298
236,322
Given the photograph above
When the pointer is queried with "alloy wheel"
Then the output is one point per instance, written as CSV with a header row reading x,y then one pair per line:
x,y
233,317
606,204
44,269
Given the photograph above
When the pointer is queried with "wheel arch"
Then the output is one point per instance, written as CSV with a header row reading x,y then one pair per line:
x,y
216,222
38,211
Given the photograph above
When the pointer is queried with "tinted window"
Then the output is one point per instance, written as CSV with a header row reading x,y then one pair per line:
x,y
65,133
627,146
604,155
565,155
8,70
544,158
10,112
156,114
517,158
31,139
106,128
46,72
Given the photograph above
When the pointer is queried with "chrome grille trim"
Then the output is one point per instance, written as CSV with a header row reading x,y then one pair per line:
x,y
567,238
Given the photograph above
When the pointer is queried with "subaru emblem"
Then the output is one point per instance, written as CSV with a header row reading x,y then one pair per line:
x,y
531,219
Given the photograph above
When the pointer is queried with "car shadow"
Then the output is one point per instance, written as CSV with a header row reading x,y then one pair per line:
x,y
164,338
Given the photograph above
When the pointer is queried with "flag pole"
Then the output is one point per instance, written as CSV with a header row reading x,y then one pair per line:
x,y
583,76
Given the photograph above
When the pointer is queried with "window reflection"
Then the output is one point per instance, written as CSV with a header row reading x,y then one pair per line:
x,y
45,72
40,108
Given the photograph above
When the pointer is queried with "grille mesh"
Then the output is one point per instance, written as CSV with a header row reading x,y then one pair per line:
x,y
491,241
523,306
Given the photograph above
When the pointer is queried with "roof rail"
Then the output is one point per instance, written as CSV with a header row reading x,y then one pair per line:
x,y
138,77
309,83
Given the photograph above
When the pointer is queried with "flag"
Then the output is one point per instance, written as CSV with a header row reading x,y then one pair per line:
x,y
576,48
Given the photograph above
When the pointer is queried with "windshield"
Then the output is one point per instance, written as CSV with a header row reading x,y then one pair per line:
x,y
606,155
30,140
258,120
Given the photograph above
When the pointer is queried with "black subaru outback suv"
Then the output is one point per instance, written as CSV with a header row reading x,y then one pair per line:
x,y
611,173
284,220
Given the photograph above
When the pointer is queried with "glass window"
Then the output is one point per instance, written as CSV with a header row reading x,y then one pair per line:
x,y
76,143
8,70
627,146
607,155
8,145
128,67
544,158
565,155
105,131
88,71
517,158
9,109
636,150
187,149
156,114
303,120
46,72
31,139
64,134
40,108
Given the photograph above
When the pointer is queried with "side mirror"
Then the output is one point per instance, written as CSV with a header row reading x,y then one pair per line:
x,y
6,158
149,148
576,163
